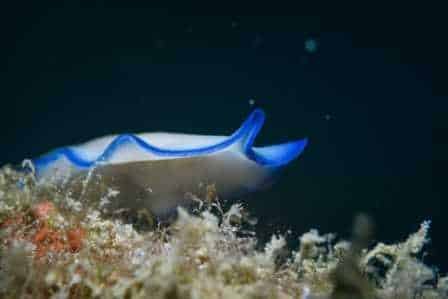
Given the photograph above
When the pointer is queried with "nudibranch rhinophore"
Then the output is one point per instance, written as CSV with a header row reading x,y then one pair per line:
x,y
157,170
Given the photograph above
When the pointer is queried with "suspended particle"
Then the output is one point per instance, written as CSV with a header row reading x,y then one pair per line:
x,y
311,45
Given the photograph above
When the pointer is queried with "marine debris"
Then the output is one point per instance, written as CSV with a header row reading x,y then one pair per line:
x,y
53,245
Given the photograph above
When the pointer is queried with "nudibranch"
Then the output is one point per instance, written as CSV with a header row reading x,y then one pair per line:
x,y
156,170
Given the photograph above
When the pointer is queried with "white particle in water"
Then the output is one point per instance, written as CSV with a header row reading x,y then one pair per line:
x,y
311,45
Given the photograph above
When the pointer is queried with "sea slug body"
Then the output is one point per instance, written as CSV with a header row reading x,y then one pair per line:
x,y
172,164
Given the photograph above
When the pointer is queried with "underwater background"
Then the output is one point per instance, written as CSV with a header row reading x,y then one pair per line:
x,y
368,91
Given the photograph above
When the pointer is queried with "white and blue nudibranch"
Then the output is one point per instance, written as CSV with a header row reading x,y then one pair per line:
x,y
156,170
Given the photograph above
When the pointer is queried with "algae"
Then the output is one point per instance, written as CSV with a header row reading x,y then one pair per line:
x,y
54,244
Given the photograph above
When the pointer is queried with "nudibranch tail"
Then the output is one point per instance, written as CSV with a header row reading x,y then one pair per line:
x,y
278,155
269,156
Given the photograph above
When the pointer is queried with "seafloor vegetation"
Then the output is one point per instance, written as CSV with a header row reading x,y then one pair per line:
x,y
54,245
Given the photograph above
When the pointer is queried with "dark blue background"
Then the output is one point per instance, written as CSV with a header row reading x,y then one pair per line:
x,y
371,99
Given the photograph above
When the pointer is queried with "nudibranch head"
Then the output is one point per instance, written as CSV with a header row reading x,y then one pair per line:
x,y
171,164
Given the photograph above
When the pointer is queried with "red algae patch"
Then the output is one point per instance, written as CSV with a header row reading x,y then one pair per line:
x,y
75,238
48,240
42,210
38,225
12,221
